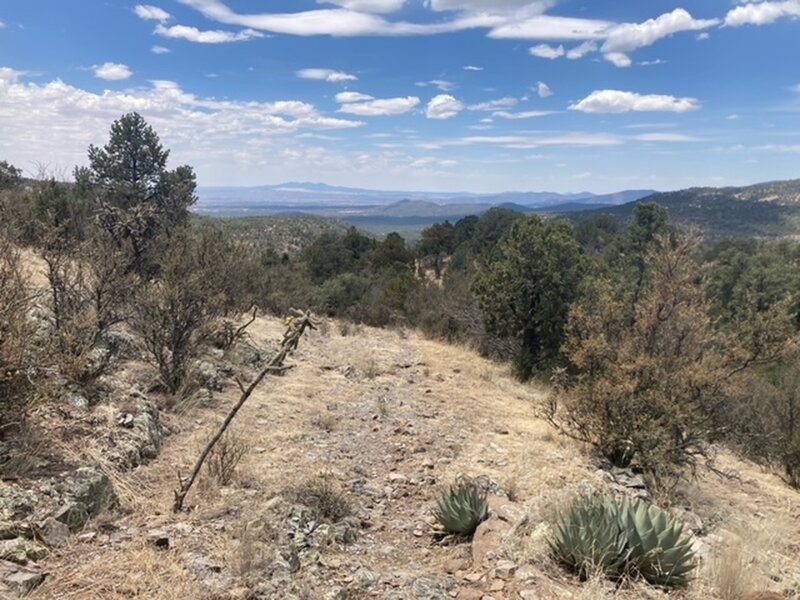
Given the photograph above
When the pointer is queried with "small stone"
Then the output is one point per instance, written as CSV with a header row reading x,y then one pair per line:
x,y
22,580
125,420
497,585
20,551
337,593
365,579
505,569
54,533
74,515
454,565
529,595
159,538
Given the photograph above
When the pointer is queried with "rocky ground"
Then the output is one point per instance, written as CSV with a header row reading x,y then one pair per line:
x,y
386,420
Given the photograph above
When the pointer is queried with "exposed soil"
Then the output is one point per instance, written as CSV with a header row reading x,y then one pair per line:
x,y
391,419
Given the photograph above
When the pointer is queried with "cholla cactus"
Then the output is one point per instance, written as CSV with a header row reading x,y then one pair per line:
x,y
462,508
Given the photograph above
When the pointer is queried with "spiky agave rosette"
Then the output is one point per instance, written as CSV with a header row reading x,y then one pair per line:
x,y
462,508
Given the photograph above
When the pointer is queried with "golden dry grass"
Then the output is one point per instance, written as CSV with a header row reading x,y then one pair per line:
x,y
401,404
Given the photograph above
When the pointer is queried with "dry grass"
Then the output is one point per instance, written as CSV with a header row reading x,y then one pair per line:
x,y
468,418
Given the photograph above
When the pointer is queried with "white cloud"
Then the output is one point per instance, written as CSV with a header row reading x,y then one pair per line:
x,y
628,37
441,84
582,50
543,90
618,59
160,50
762,13
112,71
703,36
151,13
443,106
216,36
491,6
534,141
381,107
501,103
472,68
2,25
781,147
546,27
616,101
525,114
337,22
328,75
547,51
348,97
370,6
666,137
220,138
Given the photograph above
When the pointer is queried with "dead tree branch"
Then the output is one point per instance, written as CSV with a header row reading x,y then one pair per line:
x,y
295,327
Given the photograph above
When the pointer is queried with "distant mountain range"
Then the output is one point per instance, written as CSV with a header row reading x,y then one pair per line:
x,y
765,210
319,198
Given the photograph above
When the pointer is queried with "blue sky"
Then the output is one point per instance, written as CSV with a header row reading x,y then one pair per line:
x,y
476,95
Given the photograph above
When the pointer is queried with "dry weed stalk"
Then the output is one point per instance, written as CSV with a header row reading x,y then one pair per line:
x,y
296,326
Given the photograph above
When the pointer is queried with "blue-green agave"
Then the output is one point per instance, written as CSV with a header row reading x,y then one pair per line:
x,y
625,537
462,508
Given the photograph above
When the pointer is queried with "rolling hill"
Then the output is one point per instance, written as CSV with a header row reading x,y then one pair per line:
x,y
765,210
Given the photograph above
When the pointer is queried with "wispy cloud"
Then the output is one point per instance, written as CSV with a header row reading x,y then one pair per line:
x,y
443,106
160,50
328,75
499,104
112,71
547,51
617,101
214,36
543,90
381,107
149,12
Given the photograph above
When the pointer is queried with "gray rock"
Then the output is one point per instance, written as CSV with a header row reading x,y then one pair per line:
x,y
365,579
20,551
142,442
18,580
432,588
91,487
54,533
337,593
74,515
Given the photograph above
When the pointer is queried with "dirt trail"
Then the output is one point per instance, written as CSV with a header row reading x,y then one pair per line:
x,y
392,419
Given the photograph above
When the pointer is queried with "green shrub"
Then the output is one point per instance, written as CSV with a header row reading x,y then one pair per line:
x,y
625,537
461,509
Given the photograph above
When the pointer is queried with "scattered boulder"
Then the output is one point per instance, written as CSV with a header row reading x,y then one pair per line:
x,y
21,551
17,581
432,588
53,532
90,488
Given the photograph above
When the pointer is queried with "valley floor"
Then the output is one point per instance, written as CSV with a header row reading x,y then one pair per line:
x,y
393,419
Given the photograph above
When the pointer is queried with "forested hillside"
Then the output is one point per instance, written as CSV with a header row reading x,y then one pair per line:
x,y
512,406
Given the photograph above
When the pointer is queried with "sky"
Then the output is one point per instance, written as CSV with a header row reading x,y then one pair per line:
x,y
436,95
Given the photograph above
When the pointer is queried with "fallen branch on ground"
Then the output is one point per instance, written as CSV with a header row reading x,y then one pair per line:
x,y
296,326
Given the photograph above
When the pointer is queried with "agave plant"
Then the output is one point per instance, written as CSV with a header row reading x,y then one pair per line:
x,y
658,550
462,508
589,540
